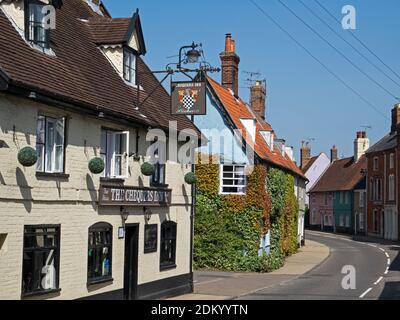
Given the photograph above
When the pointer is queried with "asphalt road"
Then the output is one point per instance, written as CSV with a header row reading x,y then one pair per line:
x,y
377,272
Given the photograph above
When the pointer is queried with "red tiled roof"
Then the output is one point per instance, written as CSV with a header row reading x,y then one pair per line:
x,y
109,30
238,109
342,175
79,73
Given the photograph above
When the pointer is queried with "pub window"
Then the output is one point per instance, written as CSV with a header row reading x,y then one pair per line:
x,y
233,179
129,66
114,151
50,144
168,245
158,178
150,238
41,253
99,252
35,25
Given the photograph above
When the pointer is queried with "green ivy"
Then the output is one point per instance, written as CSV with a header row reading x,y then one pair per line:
x,y
228,228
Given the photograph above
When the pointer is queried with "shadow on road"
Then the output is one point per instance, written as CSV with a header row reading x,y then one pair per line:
x,y
391,290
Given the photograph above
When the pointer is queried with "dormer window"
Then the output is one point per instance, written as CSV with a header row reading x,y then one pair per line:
x,y
129,66
35,27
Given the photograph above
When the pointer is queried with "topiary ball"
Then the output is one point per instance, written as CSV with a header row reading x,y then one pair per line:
x,y
27,156
147,169
96,165
190,178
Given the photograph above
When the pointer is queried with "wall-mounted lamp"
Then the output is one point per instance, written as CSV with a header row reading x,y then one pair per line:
x,y
147,214
124,214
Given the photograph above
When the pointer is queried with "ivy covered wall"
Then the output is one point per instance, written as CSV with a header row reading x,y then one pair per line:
x,y
228,228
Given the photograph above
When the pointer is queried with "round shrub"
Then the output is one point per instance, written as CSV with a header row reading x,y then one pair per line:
x,y
96,165
147,169
27,156
190,178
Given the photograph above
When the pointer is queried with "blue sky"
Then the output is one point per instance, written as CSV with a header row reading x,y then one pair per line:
x,y
304,100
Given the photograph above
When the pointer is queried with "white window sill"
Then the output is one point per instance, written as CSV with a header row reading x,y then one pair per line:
x,y
232,193
133,85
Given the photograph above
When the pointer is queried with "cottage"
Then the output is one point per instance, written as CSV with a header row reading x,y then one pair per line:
x,y
79,92
240,138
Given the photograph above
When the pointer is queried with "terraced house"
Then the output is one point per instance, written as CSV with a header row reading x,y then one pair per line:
x,y
75,93
382,157
332,199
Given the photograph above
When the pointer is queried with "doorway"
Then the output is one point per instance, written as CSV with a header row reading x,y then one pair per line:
x,y
131,261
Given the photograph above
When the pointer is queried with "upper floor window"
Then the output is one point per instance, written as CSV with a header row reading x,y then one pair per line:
x,y
391,161
158,178
376,164
50,144
99,252
392,183
129,66
233,179
36,31
361,199
114,151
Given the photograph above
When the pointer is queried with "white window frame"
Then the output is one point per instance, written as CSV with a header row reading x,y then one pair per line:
x,y
130,69
361,199
221,178
111,154
47,163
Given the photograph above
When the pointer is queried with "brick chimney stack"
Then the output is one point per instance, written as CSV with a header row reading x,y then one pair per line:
x,y
395,118
230,65
361,144
305,154
334,154
258,94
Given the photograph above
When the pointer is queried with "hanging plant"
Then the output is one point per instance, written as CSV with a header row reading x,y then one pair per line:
x,y
147,169
96,165
190,178
27,156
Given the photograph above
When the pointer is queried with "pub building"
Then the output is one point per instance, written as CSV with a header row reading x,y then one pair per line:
x,y
82,213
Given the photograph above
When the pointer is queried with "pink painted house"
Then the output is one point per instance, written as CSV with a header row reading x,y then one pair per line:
x,y
321,211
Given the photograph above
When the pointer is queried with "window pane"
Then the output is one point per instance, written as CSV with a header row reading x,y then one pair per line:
x,y
50,133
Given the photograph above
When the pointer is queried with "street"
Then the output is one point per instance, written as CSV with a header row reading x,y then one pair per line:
x,y
377,267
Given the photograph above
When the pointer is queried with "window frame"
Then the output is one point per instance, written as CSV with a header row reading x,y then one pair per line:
x,y
391,187
391,161
43,44
128,52
100,227
56,248
43,156
171,226
222,178
109,168
152,249
375,163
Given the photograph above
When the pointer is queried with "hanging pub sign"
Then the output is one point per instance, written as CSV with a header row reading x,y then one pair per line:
x,y
188,98
134,196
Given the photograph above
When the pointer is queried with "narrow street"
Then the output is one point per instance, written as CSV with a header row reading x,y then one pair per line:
x,y
377,266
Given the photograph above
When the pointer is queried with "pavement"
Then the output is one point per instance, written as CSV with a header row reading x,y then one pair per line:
x,y
214,285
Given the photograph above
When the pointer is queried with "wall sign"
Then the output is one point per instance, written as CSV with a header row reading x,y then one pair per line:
x,y
134,196
121,232
150,238
188,98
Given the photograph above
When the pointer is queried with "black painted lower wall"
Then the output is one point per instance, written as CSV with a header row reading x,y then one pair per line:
x,y
160,289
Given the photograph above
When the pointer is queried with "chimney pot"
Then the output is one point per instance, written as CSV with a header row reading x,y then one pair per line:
x,y
334,154
257,99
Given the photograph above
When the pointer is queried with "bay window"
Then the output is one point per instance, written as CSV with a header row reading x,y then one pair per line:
x,y
232,179
129,66
114,151
41,253
35,25
50,144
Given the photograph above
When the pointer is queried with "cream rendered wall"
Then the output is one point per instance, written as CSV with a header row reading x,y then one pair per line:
x,y
26,199
115,55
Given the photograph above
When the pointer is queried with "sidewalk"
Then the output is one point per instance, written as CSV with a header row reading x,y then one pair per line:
x,y
227,286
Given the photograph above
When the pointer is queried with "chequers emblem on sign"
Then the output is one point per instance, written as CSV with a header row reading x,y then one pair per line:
x,y
188,98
